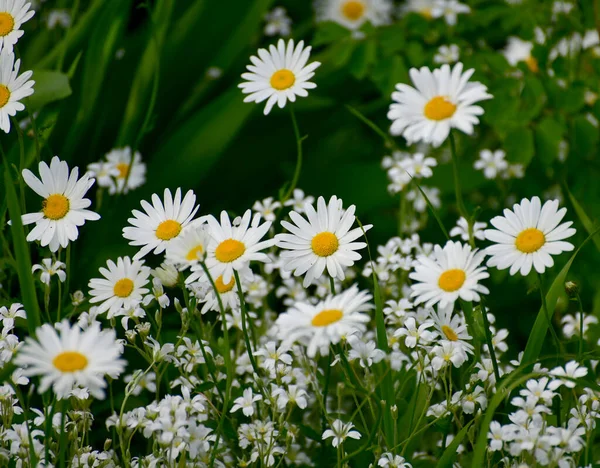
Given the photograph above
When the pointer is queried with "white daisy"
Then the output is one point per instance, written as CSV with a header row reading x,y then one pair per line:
x,y
442,100
491,163
352,14
13,13
63,207
324,240
122,287
13,88
68,357
517,51
161,223
279,74
451,327
452,272
318,326
528,236
189,248
234,247
227,293
129,175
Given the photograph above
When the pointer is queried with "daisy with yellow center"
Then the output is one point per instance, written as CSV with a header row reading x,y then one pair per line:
x,y
441,100
205,293
279,74
161,223
451,327
122,286
518,50
63,208
452,272
426,8
352,14
232,248
67,357
129,172
318,326
527,236
13,87
321,241
190,247
13,13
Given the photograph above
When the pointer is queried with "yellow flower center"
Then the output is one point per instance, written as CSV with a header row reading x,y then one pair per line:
x,y
439,108
123,170
4,95
532,64
56,206
222,287
325,244
353,10
194,254
450,334
452,280
123,287
7,23
168,229
283,79
426,13
327,317
530,240
229,250
70,361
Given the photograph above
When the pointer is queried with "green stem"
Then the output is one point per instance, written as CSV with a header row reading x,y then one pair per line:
x,y
458,190
548,318
298,169
488,338
332,285
581,325
244,327
61,446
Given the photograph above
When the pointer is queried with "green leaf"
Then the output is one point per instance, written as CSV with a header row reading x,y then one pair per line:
x,y
584,137
588,224
540,327
49,86
21,250
450,453
363,58
548,135
328,32
519,146
388,72
533,99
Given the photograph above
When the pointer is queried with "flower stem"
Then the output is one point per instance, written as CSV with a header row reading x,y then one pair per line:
x,y
244,327
581,326
488,338
332,285
294,182
458,190
545,307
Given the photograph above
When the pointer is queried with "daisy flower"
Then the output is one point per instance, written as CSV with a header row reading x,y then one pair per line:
x,y
491,163
63,207
324,240
129,174
13,13
528,236
352,14
13,88
452,272
441,100
122,287
161,223
232,248
227,293
318,326
67,357
451,328
279,74
189,248
518,50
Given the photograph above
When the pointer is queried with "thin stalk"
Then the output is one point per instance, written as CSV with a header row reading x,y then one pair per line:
x,y
581,325
332,285
244,327
488,338
548,318
62,439
298,169
458,190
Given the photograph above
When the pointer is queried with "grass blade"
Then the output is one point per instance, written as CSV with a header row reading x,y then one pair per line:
x,y
588,224
449,454
26,283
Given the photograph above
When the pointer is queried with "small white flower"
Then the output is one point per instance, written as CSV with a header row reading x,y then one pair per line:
x,y
449,353
48,269
491,163
447,54
572,370
340,432
246,402
366,353
415,335
462,229
278,23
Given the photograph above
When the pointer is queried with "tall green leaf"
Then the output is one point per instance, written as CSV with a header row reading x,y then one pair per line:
x,y
588,224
